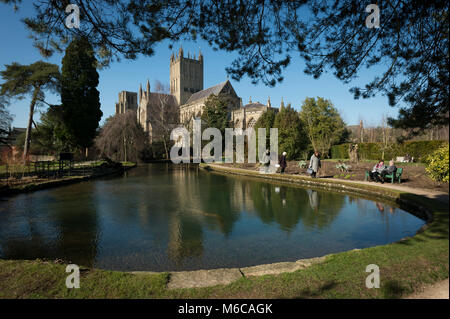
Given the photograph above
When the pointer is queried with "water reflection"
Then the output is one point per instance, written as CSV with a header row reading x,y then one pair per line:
x,y
167,217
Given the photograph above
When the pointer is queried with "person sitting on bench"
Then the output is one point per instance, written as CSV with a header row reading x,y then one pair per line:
x,y
389,170
376,171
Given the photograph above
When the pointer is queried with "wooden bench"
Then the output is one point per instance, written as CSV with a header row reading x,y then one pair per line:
x,y
397,176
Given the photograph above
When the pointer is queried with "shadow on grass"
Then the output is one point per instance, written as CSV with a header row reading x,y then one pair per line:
x,y
392,289
317,291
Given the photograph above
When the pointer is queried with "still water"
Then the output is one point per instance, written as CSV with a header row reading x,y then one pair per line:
x,y
164,217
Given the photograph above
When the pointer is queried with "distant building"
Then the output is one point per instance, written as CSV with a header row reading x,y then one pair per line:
x,y
186,99
157,112
127,101
246,116
9,147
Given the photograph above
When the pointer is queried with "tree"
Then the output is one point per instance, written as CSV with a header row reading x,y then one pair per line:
x,y
80,98
323,124
122,138
386,136
267,121
215,113
50,135
164,115
410,46
34,79
291,138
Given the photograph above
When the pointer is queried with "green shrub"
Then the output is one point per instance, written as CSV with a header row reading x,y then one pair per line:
x,y
438,164
373,151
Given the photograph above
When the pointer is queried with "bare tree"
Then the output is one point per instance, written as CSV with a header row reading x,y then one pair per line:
x,y
386,136
164,115
121,137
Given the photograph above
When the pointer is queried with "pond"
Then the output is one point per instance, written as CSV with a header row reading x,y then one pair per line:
x,y
162,217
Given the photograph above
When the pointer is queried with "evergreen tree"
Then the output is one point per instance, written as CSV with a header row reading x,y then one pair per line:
x,y
291,138
323,124
34,79
267,121
80,98
50,134
215,113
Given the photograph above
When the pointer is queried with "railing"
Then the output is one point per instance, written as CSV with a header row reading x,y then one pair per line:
x,y
48,169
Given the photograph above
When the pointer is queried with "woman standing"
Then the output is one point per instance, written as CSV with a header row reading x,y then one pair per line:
x,y
314,163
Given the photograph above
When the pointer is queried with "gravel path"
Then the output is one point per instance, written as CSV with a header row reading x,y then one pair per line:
x,y
438,290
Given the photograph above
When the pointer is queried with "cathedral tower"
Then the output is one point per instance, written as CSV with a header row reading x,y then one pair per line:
x,y
186,76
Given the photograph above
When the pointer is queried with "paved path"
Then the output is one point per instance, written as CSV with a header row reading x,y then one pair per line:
x,y
441,196
438,290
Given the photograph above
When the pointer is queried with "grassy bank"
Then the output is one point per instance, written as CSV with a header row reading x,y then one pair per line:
x,y
404,267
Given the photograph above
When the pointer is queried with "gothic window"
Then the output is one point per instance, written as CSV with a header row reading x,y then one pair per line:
x,y
251,123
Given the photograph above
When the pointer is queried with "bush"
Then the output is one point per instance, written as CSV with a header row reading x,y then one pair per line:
x,y
373,151
438,164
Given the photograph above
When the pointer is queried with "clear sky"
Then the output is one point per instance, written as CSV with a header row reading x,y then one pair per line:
x,y
128,74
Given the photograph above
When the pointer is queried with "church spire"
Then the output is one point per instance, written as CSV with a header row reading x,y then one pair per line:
x,y
250,100
148,88
140,92
200,55
282,104
180,52
268,102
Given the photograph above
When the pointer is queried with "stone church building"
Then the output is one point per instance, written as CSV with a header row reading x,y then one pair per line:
x,y
158,112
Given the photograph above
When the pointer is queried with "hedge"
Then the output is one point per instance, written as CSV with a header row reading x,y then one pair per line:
x,y
373,151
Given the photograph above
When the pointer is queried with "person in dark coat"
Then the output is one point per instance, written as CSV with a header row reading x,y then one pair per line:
x,y
391,169
282,162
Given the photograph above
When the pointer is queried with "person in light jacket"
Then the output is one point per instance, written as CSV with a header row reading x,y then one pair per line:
x,y
314,163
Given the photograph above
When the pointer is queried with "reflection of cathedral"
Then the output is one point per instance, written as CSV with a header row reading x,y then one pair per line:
x,y
187,98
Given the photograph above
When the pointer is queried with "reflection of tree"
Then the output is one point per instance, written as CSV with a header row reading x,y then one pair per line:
x,y
277,204
216,201
33,241
329,205
71,235
77,222
185,238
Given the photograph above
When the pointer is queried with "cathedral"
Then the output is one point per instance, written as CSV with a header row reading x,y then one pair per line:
x,y
159,111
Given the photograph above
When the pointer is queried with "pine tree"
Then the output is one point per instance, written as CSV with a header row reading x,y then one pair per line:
x,y
34,80
80,98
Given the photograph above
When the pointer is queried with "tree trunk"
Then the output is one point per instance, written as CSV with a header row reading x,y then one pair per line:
x,y
125,148
165,147
26,147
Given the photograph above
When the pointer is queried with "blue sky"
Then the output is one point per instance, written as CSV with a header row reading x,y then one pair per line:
x,y
127,75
